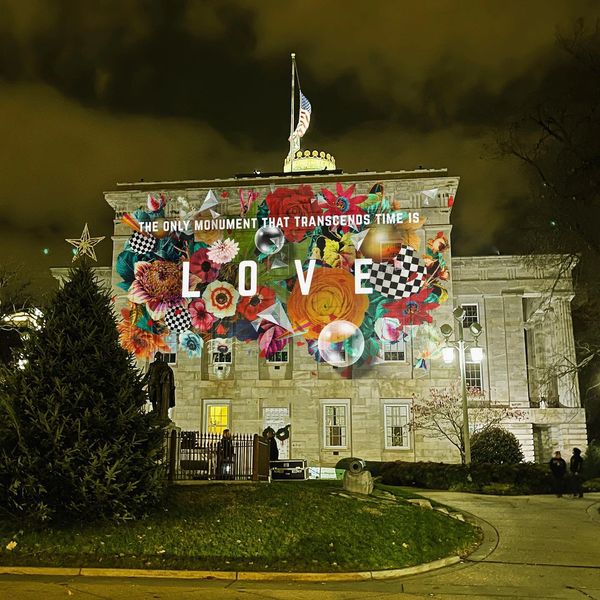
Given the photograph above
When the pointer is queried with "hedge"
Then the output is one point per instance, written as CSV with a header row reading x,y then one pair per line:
x,y
522,478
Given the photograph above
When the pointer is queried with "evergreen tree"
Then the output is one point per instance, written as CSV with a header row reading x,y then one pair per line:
x,y
74,441
496,446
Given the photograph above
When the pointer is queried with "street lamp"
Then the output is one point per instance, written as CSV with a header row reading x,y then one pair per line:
x,y
476,356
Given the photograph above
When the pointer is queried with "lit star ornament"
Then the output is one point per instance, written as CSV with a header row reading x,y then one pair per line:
x,y
85,244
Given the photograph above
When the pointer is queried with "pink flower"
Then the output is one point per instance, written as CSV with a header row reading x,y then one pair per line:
x,y
201,319
204,269
158,285
223,251
270,339
343,202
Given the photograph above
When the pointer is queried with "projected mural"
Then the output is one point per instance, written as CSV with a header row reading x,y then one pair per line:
x,y
350,275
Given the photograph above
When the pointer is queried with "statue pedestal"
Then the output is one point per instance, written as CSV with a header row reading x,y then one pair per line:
x,y
173,449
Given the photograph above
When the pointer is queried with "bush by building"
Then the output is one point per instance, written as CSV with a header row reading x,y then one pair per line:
x,y
522,478
495,446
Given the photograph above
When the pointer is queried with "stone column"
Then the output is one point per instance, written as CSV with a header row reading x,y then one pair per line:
x,y
568,388
514,335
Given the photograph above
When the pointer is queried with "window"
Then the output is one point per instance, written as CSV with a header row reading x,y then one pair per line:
x,y
473,375
393,351
471,314
396,425
171,356
221,351
278,357
335,424
216,417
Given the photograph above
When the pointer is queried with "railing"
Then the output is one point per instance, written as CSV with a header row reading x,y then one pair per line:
x,y
195,455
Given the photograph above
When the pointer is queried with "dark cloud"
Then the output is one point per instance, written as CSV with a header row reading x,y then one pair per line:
x,y
94,93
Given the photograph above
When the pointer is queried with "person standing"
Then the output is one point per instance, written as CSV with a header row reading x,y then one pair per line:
x,y
558,466
576,468
225,456
273,447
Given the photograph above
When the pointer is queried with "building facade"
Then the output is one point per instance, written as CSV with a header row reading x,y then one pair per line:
x,y
364,409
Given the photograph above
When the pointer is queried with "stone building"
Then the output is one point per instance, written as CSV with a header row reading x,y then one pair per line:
x,y
364,410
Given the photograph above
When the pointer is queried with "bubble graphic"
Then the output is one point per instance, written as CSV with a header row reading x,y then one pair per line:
x,y
341,343
269,240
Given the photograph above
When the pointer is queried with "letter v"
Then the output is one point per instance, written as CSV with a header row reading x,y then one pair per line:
x,y
305,282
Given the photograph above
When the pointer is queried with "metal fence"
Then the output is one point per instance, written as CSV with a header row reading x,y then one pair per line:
x,y
195,455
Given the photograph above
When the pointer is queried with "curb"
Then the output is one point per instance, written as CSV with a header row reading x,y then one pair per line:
x,y
593,512
232,575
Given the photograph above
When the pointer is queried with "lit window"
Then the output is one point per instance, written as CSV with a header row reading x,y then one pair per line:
x,y
217,418
170,356
471,314
335,425
473,375
393,351
396,425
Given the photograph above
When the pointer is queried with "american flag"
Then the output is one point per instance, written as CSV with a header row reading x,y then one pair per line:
x,y
303,117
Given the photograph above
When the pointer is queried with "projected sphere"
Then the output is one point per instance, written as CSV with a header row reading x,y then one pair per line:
x,y
341,343
269,240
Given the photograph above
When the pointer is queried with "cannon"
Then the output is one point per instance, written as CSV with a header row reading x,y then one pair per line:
x,y
357,479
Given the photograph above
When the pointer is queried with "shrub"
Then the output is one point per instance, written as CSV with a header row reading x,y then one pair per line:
x,y
522,478
592,485
495,446
591,464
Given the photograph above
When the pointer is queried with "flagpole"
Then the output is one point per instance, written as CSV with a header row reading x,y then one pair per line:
x,y
292,113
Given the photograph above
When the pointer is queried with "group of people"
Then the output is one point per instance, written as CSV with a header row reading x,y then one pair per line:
x,y
558,467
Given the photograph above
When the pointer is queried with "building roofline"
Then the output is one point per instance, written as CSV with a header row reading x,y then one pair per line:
x,y
281,178
520,257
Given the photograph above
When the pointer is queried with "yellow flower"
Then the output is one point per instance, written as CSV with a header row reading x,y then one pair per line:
x,y
330,252
11,545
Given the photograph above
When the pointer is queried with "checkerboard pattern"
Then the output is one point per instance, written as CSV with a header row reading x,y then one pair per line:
x,y
142,244
400,279
178,319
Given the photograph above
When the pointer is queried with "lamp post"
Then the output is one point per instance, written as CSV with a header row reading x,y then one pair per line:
x,y
476,356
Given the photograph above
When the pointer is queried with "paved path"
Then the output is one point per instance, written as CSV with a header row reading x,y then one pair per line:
x,y
537,547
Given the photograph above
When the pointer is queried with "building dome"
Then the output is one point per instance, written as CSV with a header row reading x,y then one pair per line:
x,y
309,160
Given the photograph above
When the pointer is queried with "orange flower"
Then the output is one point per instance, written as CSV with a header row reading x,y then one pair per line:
x,y
331,297
143,344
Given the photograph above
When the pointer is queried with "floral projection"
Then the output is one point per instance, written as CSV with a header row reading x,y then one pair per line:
x,y
279,309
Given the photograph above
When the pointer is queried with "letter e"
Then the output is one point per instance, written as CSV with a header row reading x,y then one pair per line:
x,y
359,276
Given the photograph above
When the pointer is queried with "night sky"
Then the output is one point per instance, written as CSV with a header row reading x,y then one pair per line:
x,y
95,92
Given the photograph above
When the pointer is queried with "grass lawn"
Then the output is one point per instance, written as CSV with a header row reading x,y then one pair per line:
x,y
285,526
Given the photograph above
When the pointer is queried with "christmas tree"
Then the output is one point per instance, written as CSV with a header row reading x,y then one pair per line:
x,y
74,439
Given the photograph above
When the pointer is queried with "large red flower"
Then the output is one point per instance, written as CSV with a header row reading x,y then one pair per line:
x,y
202,267
343,202
250,306
413,310
297,205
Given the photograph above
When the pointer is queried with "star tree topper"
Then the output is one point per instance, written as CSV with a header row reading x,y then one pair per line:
x,y
85,244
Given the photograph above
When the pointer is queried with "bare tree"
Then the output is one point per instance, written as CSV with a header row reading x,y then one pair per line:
x,y
556,140
441,415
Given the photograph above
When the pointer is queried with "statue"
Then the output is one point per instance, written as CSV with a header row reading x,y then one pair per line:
x,y
161,386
